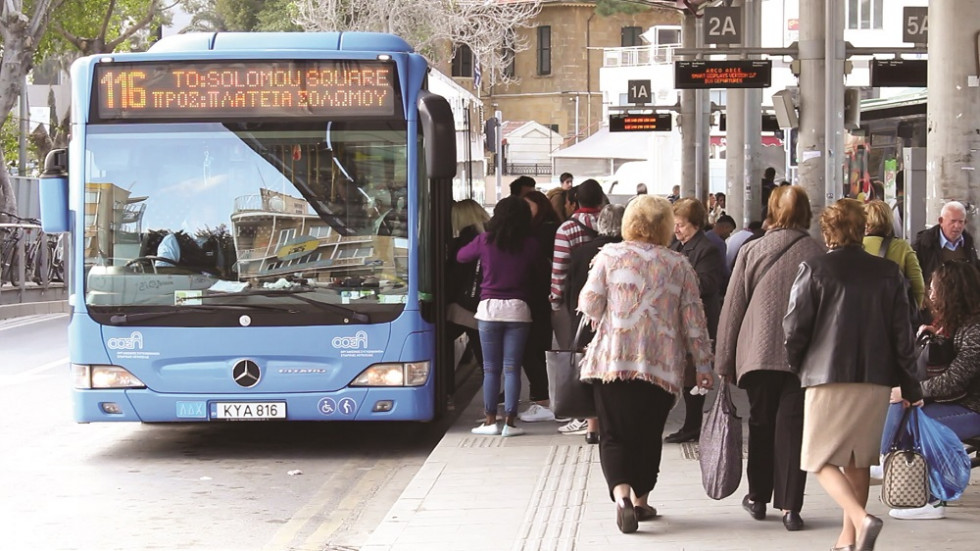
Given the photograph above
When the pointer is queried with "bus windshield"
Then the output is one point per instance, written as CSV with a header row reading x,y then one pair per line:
x,y
302,217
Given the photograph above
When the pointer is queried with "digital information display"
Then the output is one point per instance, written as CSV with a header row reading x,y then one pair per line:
x,y
743,73
911,73
653,122
235,89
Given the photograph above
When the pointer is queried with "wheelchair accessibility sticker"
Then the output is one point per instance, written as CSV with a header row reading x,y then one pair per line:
x,y
328,406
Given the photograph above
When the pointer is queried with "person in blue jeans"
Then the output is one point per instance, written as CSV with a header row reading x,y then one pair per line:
x,y
509,257
953,396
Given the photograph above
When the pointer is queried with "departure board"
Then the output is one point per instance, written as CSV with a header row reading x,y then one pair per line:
x,y
742,73
243,89
912,73
653,122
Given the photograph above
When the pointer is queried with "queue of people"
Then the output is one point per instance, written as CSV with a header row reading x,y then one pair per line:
x,y
818,334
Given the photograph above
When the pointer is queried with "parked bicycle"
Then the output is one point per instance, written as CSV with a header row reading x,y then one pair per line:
x,y
39,252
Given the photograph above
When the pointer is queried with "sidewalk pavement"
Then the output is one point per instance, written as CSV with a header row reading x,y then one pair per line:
x,y
545,491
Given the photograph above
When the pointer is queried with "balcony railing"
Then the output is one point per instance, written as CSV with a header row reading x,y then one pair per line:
x,y
637,56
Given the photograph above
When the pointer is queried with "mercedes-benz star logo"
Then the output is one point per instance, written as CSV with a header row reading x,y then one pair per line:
x,y
246,373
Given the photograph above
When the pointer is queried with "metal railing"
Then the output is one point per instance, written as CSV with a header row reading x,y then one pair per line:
x,y
637,56
30,258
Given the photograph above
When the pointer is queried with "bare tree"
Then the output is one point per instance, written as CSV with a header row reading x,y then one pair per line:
x,y
21,34
489,28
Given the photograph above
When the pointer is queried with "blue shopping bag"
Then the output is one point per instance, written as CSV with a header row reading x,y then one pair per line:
x,y
949,465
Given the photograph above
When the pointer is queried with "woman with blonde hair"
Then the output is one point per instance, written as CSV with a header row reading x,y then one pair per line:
x,y
643,300
879,233
847,338
749,352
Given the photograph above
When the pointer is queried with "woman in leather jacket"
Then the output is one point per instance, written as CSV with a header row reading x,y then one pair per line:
x,y
848,338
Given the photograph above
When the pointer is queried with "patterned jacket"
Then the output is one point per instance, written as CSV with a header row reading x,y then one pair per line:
x,y
645,304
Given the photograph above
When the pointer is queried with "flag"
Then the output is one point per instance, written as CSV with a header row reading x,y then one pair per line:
x,y
477,74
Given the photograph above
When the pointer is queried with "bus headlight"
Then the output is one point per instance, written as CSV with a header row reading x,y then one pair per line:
x,y
394,374
104,376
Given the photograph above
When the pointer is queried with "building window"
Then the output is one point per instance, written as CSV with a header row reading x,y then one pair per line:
x,y
463,61
865,14
544,50
509,55
286,235
630,37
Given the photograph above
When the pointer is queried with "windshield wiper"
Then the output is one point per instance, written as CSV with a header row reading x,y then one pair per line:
x,y
350,314
121,319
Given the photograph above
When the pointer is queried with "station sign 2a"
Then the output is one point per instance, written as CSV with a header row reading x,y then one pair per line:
x,y
722,25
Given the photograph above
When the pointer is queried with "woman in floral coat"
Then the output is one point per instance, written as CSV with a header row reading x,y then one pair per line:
x,y
644,302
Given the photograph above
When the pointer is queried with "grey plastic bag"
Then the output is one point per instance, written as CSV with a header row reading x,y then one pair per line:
x,y
721,447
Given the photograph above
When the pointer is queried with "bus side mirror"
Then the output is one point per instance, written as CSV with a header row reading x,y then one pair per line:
x,y
54,192
438,135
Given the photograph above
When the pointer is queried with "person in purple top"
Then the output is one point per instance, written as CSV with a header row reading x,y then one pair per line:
x,y
508,255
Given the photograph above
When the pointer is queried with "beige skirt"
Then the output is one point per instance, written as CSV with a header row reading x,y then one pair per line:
x,y
842,421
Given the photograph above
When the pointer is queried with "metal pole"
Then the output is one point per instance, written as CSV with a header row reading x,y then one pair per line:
x,y
25,129
751,172
688,119
834,98
576,119
701,187
499,148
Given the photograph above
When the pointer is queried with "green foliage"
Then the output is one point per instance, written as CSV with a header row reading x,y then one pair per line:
x,y
611,7
9,134
253,15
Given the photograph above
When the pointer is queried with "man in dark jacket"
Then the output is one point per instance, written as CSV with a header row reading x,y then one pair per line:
x,y
947,240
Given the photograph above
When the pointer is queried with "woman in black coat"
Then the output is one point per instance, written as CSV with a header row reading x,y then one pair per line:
x,y
689,220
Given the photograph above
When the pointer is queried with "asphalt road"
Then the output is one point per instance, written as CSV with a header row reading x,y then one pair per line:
x,y
234,486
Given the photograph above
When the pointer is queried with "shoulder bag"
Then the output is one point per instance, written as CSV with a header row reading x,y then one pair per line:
x,y
720,447
905,484
570,396
768,265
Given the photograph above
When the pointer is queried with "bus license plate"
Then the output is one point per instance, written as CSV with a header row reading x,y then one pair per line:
x,y
249,410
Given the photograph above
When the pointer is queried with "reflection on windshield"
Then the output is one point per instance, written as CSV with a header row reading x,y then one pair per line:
x,y
179,214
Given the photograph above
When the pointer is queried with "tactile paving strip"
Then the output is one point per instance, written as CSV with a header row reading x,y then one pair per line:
x,y
558,500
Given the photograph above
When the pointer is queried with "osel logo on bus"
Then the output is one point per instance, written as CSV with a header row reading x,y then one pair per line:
x,y
354,346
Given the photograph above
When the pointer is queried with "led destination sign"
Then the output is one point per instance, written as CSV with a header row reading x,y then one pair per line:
x,y
243,89
654,122
746,73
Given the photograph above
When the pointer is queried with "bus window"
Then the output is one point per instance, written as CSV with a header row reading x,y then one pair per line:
x,y
315,212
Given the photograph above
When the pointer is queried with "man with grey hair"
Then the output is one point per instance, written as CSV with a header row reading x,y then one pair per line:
x,y
947,240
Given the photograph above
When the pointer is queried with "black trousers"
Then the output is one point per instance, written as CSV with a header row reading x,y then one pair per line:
x,y
775,438
538,341
632,415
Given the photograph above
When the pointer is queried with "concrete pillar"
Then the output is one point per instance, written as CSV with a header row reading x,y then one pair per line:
x,y
821,103
953,110
735,145
752,147
689,122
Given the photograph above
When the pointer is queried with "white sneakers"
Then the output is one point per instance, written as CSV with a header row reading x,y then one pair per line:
x,y
495,430
488,430
536,414
573,427
931,511
877,472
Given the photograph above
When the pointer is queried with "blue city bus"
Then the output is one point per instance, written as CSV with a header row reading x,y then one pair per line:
x,y
259,223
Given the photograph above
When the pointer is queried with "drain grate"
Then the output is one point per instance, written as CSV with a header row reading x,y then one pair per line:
x,y
691,451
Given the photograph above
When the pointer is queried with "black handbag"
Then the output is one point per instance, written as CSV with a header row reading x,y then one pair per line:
x,y
570,396
905,484
934,353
